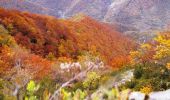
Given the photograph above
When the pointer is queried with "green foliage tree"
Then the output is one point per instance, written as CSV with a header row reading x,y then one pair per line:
x,y
31,89
79,95
138,72
66,95
92,81
47,85
113,94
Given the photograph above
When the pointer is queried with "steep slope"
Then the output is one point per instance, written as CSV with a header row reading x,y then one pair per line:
x,y
67,8
144,15
101,36
68,38
23,5
131,16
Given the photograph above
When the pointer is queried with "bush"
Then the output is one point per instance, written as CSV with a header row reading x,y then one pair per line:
x,y
146,89
46,85
138,72
31,89
78,85
1,97
144,76
92,81
131,84
79,95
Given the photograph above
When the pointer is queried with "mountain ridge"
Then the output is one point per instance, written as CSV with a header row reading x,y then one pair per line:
x,y
143,15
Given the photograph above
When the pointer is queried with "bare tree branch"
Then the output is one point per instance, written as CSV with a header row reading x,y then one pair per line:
x,y
80,75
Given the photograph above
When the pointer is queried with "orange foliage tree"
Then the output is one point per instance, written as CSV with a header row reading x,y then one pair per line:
x,y
65,38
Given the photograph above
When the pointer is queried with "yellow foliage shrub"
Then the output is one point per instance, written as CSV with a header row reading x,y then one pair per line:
x,y
168,66
146,89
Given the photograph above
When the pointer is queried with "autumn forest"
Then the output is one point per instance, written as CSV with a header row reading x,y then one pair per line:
x,y
43,57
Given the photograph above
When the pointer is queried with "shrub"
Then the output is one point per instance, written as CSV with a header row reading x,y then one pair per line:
x,y
144,76
79,95
46,85
65,95
31,89
146,89
78,85
131,84
92,81
2,97
138,72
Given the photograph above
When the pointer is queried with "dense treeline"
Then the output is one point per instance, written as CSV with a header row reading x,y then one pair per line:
x,y
38,54
66,38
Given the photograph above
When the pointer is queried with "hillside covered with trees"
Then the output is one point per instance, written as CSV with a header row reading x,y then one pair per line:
x,y
39,48
79,58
